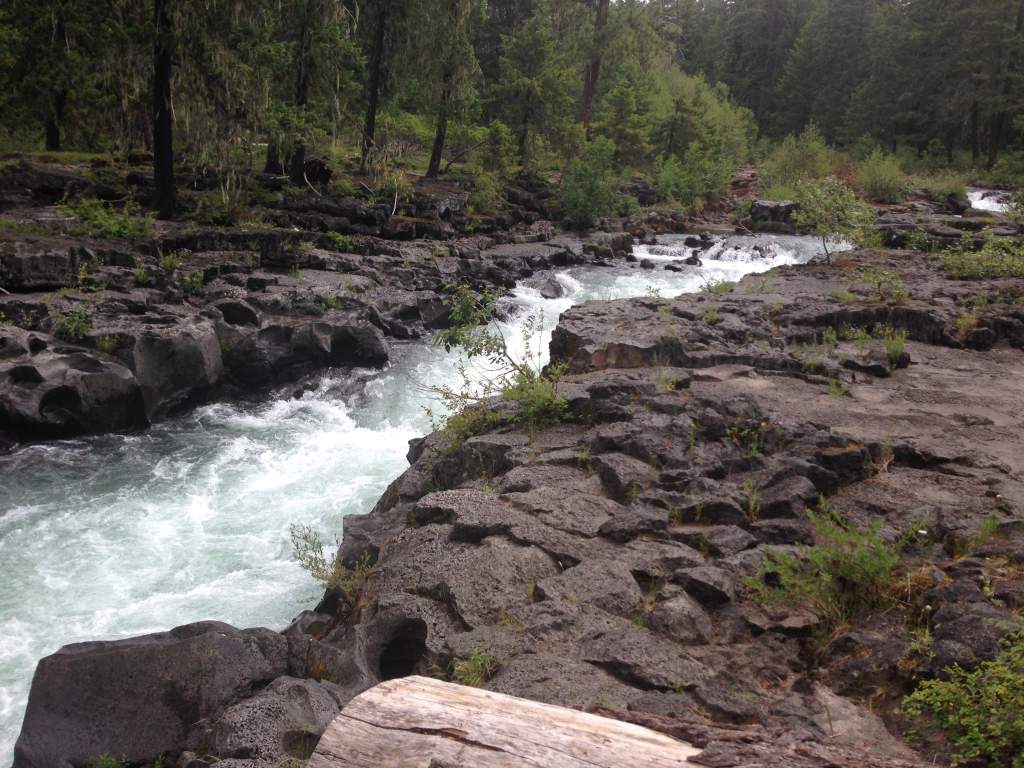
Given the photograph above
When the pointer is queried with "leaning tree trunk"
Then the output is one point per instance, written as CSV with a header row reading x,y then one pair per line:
x,y
373,87
163,119
441,134
593,70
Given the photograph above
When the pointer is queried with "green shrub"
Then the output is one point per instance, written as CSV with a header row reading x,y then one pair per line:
x,y
1007,172
882,178
539,403
94,218
497,155
476,669
590,185
980,712
308,549
887,285
843,297
141,276
343,243
780,193
169,262
845,573
944,187
629,207
894,340
700,174
718,287
76,324
515,379
486,193
106,760
194,284
997,257
830,211
796,160
220,208
469,422
106,344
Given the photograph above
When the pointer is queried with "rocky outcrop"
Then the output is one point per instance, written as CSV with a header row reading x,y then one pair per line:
x,y
54,389
127,333
773,216
606,563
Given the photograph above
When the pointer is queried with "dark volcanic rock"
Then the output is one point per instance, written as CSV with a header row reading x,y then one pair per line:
x,y
61,390
139,698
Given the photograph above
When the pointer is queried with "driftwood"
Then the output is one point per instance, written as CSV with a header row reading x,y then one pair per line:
x,y
418,722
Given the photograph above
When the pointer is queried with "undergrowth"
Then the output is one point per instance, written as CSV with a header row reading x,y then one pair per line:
x,y
844,574
980,712
94,218
308,549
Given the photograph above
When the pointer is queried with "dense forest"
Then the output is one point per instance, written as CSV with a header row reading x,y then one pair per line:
x,y
679,92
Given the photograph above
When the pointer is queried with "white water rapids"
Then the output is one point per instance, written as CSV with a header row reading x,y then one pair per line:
x,y
110,536
989,200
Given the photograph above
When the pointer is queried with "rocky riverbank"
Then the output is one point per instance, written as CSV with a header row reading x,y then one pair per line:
x,y
608,563
109,334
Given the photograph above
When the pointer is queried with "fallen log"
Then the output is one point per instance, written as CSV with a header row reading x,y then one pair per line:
x,y
418,722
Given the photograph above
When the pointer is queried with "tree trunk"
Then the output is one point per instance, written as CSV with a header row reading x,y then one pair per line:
x,y
441,133
52,134
524,131
593,70
373,86
163,119
670,148
273,162
975,147
302,66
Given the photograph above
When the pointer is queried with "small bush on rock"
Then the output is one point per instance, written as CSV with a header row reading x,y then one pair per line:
x,y
94,218
997,257
308,549
476,669
980,712
846,572
517,379
107,760
343,243
75,325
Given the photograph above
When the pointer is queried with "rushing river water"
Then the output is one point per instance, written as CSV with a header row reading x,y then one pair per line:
x,y
989,200
111,536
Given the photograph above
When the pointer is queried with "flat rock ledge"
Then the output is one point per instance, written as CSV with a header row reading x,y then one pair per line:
x,y
602,564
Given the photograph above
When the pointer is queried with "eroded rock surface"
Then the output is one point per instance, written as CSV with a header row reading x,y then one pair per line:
x,y
605,563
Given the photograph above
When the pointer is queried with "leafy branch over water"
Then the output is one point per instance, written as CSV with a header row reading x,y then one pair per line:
x,y
494,369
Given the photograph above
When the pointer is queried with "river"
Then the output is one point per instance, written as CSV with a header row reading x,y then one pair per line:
x,y
110,536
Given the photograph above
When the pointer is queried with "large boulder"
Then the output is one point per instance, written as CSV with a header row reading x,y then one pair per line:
x,y
176,364
773,216
38,263
139,698
57,391
285,349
